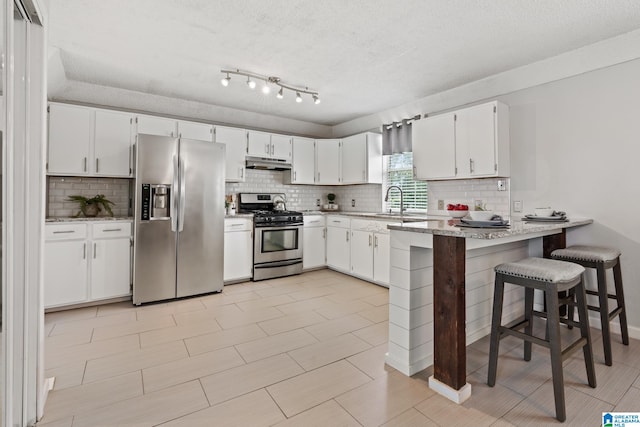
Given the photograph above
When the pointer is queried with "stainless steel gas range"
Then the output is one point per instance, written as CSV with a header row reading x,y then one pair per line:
x,y
277,241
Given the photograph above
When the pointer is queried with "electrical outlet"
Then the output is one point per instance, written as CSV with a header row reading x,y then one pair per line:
x,y
353,203
517,205
502,185
318,203
440,205
477,203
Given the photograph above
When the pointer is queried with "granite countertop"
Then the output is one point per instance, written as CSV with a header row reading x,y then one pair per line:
x,y
447,227
85,219
241,215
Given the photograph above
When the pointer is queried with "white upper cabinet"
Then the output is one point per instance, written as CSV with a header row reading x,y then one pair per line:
x,y
281,147
259,144
270,146
434,147
157,126
468,143
112,143
362,159
70,136
236,147
194,130
482,140
89,142
328,161
303,163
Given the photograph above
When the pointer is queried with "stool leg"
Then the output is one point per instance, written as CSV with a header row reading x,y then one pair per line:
x,y
570,308
585,332
498,294
617,278
604,313
553,326
528,315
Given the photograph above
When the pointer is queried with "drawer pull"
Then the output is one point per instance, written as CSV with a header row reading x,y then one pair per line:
x,y
112,229
314,222
64,231
237,225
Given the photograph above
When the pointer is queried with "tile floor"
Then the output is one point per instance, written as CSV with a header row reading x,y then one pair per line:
x,y
305,351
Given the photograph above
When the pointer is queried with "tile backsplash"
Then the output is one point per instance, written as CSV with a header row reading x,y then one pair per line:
x,y
303,197
467,191
60,188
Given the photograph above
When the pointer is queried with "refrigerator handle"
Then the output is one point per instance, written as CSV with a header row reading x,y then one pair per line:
x,y
174,187
182,197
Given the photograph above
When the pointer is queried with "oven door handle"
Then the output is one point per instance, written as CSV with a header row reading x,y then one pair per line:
x,y
278,263
284,227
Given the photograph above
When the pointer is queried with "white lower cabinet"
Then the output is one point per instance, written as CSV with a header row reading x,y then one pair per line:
x,y
370,251
314,242
86,262
238,249
339,243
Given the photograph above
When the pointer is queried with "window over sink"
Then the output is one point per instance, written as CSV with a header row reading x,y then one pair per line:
x,y
398,170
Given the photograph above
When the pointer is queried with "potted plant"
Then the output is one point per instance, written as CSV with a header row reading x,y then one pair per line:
x,y
91,207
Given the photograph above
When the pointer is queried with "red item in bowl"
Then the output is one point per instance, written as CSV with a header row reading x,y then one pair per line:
x,y
457,207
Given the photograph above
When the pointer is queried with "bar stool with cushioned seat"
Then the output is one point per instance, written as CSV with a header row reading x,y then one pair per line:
x,y
601,258
550,276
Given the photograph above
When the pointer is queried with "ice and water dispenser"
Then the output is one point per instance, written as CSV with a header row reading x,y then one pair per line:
x,y
156,201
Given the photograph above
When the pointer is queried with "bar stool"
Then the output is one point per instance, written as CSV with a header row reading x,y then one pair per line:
x,y
601,258
550,276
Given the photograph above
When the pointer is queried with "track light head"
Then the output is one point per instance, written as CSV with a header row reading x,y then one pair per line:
x,y
251,83
225,81
266,89
298,97
280,94
316,100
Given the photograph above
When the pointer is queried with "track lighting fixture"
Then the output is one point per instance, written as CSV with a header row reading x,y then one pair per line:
x,y
268,80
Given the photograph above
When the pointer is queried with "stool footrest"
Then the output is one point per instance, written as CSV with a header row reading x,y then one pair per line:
x,y
525,337
610,296
615,312
578,344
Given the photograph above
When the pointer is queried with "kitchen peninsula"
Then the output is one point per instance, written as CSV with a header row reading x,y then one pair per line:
x,y
441,291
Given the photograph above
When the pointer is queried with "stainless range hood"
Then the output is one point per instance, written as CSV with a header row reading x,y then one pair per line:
x,y
267,164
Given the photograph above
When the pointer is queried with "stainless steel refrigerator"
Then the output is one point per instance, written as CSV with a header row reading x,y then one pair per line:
x,y
179,218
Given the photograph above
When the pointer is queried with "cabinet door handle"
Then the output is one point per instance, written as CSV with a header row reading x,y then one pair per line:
x,y
241,172
347,235
94,250
471,165
375,242
64,231
84,251
84,167
272,149
369,239
324,233
112,229
97,165
266,148
295,174
363,175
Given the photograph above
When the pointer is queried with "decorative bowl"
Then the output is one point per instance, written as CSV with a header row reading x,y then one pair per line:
x,y
457,214
481,215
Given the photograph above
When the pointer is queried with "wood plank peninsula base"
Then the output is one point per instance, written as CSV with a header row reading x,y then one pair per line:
x,y
441,292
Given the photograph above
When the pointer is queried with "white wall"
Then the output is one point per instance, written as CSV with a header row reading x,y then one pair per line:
x,y
575,145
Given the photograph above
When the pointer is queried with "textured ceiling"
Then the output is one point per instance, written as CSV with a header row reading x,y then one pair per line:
x,y
363,56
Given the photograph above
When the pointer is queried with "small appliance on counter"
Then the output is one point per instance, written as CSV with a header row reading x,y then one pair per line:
x,y
277,237
179,218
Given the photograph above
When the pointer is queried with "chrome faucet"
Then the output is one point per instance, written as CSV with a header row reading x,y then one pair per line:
x,y
386,197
